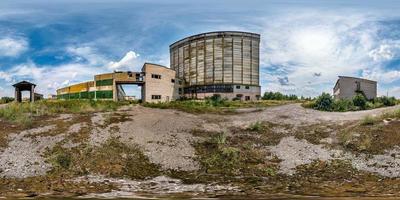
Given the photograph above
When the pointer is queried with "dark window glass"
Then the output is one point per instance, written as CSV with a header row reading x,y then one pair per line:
x,y
172,80
247,87
155,96
238,87
156,76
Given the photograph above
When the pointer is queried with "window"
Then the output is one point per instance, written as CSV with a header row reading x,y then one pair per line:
x,y
247,98
238,87
180,90
155,96
247,87
156,76
180,82
172,80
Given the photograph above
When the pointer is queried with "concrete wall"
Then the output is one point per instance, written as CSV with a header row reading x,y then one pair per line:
x,y
253,93
347,86
163,87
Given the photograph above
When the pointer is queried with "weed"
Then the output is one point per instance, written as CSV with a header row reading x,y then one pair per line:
x,y
63,160
257,126
270,171
368,120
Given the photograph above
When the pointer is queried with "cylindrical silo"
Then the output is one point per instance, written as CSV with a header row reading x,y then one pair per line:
x,y
225,63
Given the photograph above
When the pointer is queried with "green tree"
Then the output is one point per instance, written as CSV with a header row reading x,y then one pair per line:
x,y
324,102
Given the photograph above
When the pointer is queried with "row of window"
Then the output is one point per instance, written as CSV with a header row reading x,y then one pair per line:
x,y
247,87
155,96
156,76
209,89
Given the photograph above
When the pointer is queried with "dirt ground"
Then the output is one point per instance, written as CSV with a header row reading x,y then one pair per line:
x,y
166,138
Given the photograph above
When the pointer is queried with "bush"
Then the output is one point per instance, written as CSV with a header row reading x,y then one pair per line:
x,y
257,126
386,101
343,105
360,101
216,100
6,100
324,102
278,96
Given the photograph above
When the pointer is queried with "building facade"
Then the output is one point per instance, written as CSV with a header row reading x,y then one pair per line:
x,y
225,63
347,87
157,85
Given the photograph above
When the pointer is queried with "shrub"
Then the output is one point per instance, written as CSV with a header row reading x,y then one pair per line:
x,y
324,102
6,100
343,105
360,101
387,101
278,96
216,100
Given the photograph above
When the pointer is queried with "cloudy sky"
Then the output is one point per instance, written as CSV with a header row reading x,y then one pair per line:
x,y
305,44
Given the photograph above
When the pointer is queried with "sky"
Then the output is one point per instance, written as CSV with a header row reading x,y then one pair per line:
x,y
305,44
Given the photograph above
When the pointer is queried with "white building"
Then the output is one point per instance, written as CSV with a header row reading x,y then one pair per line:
x,y
347,87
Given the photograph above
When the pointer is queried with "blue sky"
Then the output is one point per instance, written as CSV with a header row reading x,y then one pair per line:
x,y
305,44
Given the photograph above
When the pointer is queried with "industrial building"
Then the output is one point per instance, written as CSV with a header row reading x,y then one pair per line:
x,y
157,83
225,63
347,87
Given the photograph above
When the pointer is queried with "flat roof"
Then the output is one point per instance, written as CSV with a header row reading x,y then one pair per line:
x,y
357,78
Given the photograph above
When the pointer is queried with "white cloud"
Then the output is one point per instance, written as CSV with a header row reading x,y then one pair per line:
x,y
12,47
296,47
87,64
386,51
86,54
5,76
130,61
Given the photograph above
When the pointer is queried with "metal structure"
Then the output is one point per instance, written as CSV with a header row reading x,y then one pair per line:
x,y
218,62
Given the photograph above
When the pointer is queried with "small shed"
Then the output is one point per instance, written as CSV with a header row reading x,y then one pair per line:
x,y
24,86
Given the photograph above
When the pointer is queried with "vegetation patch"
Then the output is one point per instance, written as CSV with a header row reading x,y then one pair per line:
x,y
112,159
326,102
371,136
215,104
315,133
4,100
56,184
228,157
23,113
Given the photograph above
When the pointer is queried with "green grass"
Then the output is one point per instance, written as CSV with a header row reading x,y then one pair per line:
x,y
222,107
23,113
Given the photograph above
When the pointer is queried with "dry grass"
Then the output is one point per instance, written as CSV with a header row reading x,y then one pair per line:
x,y
222,107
